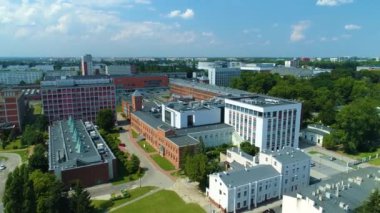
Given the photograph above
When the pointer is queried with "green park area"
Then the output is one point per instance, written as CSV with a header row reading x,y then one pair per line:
x,y
162,201
162,162
146,146
106,205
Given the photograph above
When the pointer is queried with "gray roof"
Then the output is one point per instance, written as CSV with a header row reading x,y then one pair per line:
x,y
263,100
352,196
288,155
153,120
136,93
297,72
203,128
249,175
70,146
318,129
240,152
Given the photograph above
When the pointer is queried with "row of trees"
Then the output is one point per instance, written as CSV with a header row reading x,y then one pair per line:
x,y
344,99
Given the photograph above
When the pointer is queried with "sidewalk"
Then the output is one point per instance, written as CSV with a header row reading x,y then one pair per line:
x,y
134,200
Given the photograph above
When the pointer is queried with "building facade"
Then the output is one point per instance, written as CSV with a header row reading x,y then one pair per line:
x,y
79,97
132,82
222,76
118,69
314,134
12,108
267,122
15,77
86,65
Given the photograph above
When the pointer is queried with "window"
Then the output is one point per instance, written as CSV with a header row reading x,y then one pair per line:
x,y
245,193
238,195
260,189
245,203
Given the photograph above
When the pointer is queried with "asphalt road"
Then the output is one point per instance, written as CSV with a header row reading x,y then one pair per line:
x,y
11,163
152,177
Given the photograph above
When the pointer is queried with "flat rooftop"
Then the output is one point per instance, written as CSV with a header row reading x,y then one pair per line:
x,y
353,188
195,105
61,81
240,177
222,91
287,155
263,100
71,146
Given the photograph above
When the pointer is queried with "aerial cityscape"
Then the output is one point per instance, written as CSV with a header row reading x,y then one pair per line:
x,y
212,106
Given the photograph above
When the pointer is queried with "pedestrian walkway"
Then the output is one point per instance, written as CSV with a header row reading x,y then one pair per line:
x,y
135,200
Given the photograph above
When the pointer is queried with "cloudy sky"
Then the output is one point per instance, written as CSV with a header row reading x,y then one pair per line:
x,y
134,28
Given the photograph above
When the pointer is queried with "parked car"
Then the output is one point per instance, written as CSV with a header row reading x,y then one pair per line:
x,y
312,164
332,158
2,167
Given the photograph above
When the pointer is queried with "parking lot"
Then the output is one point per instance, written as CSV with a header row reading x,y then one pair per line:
x,y
11,162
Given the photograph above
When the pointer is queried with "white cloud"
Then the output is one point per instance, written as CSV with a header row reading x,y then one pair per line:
x,y
187,14
352,27
298,31
143,2
331,3
207,34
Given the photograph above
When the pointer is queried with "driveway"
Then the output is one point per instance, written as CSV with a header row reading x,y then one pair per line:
x,y
152,177
13,160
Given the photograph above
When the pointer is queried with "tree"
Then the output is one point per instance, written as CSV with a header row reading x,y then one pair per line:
x,y
105,119
133,164
372,204
359,124
80,201
195,167
248,148
38,160
31,136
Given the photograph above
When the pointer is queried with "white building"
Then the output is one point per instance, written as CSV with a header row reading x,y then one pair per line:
x,y
118,69
292,63
261,67
293,164
44,67
268,176
244,189
183,115
222,76
314,134
299,204
14,77
267,122
360,68
86,65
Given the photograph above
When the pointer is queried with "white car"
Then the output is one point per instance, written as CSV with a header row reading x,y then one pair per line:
x,y
2,167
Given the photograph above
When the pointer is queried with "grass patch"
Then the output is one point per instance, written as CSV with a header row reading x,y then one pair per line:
x,y
104,205
146,146
119,108
163,163
134,133
162,201
22,152
37,109
362,155
375,162
313,152
123,176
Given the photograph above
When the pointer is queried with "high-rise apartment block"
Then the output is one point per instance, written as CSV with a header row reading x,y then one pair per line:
x,y
12,108
87,67
79,97
267,122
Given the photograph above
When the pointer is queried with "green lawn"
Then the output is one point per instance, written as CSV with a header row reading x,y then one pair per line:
x,y
375,162
119,108
104,205
134,133
15,144
163,163
22,152
313,152
162,201
37,109
146,146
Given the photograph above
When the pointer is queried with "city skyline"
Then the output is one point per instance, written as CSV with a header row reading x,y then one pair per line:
x,y
156,28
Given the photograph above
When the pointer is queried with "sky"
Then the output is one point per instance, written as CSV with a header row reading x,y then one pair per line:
x,y
189,28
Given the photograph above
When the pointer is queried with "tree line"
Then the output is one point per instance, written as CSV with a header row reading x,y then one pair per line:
x,y
344,99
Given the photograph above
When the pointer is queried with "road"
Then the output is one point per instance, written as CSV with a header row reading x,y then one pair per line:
x,y
153,176
13,160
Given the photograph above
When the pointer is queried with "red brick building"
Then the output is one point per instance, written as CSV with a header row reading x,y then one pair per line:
x,y
12,107
132,82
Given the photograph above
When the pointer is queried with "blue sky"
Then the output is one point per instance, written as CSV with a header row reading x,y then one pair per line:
x,y
203,28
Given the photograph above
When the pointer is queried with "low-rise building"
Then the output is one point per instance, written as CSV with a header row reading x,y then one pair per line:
x,y
341,193
77,152
15,77
314,133
260,67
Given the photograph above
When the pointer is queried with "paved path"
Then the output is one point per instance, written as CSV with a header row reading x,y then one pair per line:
x,y
12,162
154,176
134,200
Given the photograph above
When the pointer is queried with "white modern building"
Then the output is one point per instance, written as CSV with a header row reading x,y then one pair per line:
x,y
44,67
222,76
244,189
360,68
267,122
183,115
14,77
261,67
86,65
300,204
118,69
314,133
258,179
292,63
293,164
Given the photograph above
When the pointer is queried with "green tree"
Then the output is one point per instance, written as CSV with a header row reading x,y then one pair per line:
x,y
38,159
359,124
133,165
80,201
31,136
106,119
248,148
372,204
327,114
